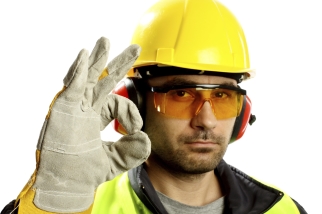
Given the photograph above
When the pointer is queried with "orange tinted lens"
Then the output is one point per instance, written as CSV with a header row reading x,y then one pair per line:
x,y
175,103
186,103
226,103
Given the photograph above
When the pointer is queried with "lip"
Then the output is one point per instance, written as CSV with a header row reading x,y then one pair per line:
x,y
202,143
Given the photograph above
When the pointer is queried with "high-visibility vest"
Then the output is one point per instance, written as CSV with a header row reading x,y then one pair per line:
x,y
117,196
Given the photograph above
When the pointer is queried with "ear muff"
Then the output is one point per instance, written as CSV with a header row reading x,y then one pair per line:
x,y
242,120
132,88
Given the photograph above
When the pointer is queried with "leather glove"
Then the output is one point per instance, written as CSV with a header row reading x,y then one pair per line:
x,y
72,160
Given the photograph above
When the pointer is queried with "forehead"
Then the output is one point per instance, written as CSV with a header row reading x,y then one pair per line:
x,y
192,79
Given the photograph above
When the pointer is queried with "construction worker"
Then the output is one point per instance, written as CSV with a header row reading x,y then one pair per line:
x,y
178,109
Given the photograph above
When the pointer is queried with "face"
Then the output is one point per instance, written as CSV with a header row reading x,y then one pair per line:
x,y
194,145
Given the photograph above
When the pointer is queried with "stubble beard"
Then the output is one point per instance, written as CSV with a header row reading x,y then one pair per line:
x,y
190,161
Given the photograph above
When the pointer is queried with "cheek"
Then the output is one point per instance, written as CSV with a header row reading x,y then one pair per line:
x,y
161,129
153,124
150,112
227,126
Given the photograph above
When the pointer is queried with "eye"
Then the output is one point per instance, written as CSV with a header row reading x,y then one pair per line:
x,y
220,94
182,93
223,94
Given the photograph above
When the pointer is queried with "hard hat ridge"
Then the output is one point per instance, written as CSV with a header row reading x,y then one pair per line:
x,y
192,34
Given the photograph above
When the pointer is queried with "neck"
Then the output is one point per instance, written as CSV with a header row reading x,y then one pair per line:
x,y
184,187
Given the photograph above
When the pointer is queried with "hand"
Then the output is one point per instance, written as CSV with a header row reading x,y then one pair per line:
x,y
73,159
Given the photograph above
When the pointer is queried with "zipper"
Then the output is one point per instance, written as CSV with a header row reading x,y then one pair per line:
x,y
149,199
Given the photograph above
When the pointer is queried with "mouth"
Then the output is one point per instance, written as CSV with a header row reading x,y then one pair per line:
x,y
202,143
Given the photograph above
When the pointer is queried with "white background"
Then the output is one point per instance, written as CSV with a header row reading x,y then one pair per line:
x,y
39,41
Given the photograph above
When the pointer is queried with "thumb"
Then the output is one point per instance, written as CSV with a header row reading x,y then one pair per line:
x,y
122,109
128,152
132,149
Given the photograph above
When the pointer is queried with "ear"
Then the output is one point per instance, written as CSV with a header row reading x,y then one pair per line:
x,y
131,88
242,120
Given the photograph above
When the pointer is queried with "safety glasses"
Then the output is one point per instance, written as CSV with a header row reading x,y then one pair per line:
x,y
186,101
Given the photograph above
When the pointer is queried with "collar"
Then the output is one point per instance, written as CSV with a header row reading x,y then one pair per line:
x,y
241,191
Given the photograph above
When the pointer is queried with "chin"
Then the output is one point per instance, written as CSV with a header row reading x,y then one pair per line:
x,y
197,163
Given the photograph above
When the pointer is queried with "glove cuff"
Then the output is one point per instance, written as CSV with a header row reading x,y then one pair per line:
x,y
62,202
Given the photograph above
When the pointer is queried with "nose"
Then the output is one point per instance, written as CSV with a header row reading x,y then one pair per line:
x,y
205,118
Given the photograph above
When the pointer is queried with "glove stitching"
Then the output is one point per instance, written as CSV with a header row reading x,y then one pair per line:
x,y
72,115
55,142
98,59
69,153
65,194
75,105
69,210
123,64
60,100
74,71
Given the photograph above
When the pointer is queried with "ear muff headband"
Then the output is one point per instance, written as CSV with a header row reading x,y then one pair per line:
x,y
132,88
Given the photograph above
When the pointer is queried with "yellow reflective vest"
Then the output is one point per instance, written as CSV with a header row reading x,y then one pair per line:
x,y
132,192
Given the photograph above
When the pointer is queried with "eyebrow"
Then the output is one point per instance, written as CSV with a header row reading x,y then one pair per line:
x,y
177,81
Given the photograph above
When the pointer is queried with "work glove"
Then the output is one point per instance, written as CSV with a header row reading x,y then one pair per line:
x,y
72,160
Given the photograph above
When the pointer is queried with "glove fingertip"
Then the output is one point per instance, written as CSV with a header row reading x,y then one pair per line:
x,y
103,40
137,49
81,58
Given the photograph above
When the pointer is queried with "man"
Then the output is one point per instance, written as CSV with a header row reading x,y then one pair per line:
x,y
193,56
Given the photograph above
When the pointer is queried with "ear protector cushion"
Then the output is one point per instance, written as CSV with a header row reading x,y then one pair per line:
x,y
133,88
242,120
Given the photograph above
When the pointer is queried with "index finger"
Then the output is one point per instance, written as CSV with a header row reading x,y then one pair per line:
x,y
75,79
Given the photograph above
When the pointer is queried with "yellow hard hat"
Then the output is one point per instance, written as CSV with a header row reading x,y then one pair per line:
x,y
194,34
